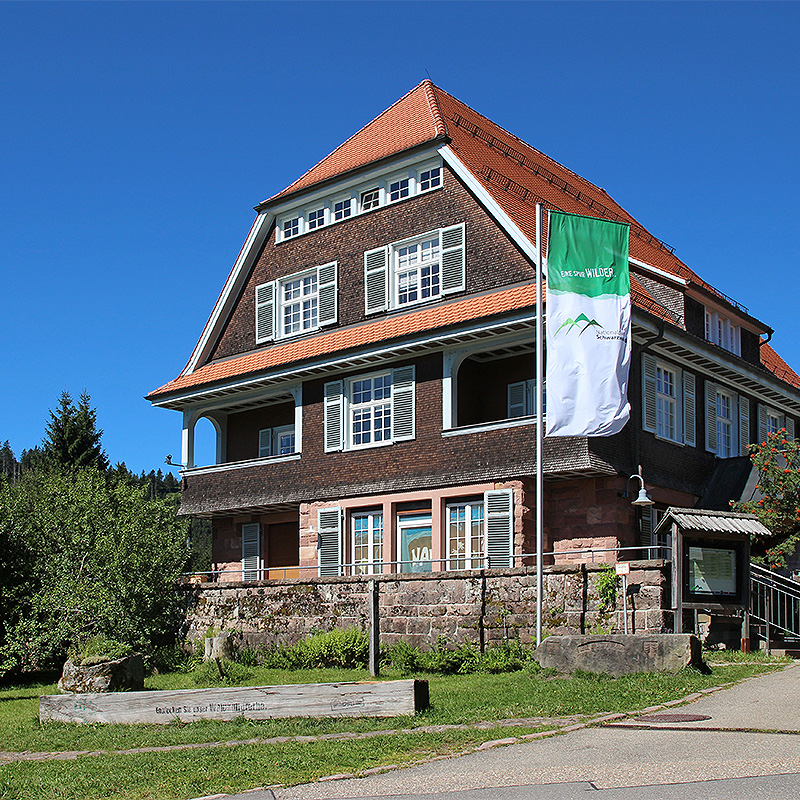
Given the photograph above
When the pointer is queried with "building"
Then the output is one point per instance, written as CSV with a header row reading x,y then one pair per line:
x,y
369,370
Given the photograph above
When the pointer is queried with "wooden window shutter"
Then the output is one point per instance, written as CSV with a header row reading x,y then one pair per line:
x,y
251,551
646,527
265,312
649,392
744,425
762,423
711,417
265,442
334,416
326,286
330,541
789,428
517,393
499,508
689,410
376,280
453,261
403,404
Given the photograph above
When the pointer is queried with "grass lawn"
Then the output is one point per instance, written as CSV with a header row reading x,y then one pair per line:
x,y
456,700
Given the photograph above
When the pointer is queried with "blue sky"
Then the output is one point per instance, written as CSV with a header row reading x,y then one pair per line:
x,y
136,138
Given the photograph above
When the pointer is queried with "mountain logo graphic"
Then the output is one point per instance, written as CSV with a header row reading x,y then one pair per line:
x,y
579,321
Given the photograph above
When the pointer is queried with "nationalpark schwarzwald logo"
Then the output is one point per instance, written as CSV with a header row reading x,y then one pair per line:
x,y
581,320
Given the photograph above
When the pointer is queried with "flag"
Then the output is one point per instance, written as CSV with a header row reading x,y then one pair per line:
x,y
588,326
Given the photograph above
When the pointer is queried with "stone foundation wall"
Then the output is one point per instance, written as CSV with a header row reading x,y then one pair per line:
x,y
481,606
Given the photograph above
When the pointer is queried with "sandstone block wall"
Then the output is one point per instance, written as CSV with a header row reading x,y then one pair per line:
x,y
480,606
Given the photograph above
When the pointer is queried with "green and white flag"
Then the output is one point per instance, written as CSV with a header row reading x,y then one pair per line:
x,y
588,326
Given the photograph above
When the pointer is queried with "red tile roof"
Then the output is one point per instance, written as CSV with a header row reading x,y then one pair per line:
x,y
396,326
514,174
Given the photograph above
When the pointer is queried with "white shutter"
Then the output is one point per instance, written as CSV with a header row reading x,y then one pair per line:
x,y
452,241
330,541
403,404
689,410
265,442
744,425
265,312
649,392
326,286
376,280
789,428
517,393
646,527
251,551
762,423
711,417
499,508
334,417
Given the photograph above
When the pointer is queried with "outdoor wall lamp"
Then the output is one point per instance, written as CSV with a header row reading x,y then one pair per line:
x,y
643,498
168,460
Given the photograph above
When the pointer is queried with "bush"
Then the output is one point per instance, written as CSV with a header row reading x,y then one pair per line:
x,y
97,650
508,656
208,673
348,648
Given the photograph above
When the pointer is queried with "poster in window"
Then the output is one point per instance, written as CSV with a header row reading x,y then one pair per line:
x,y
416,549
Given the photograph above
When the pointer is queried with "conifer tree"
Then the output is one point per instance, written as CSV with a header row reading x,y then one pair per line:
x,y
72,438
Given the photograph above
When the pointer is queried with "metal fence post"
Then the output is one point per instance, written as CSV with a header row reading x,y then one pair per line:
x,y
374,629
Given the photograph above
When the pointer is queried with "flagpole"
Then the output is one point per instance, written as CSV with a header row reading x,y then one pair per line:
x,y
539,426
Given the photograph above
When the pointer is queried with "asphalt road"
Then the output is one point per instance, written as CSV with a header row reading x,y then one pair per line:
x,y
748,747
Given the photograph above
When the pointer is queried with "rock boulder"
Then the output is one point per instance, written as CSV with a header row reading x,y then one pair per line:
x,y
103,675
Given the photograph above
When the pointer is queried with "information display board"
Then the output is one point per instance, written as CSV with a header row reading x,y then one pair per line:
x,y
712,571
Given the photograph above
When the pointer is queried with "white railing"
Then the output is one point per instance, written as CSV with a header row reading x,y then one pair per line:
x,y
774,603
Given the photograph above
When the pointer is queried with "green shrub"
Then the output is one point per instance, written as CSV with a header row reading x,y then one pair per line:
x,y
97,650
233,674
346,648
606,584
404,657
508,656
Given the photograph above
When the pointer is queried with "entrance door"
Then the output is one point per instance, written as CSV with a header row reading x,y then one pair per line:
x,y
416,543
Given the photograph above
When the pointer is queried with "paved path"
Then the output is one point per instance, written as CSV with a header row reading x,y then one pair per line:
x,y
734,753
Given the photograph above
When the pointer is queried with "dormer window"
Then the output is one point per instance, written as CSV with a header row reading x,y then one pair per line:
x,y
722,332
298,304
370,199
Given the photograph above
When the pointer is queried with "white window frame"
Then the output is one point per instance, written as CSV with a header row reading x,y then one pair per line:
x,y
721,331
373,563
316,223
352,210
727,445
527,393
663,399
375,202
395,269
295,217
380,185
282,304
469,559
269,441
384,402
427,169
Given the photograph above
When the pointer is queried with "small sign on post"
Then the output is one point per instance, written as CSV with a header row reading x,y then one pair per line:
x,y
623,568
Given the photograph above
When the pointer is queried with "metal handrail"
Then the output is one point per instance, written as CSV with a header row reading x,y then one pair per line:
x,y
774,602
452,563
